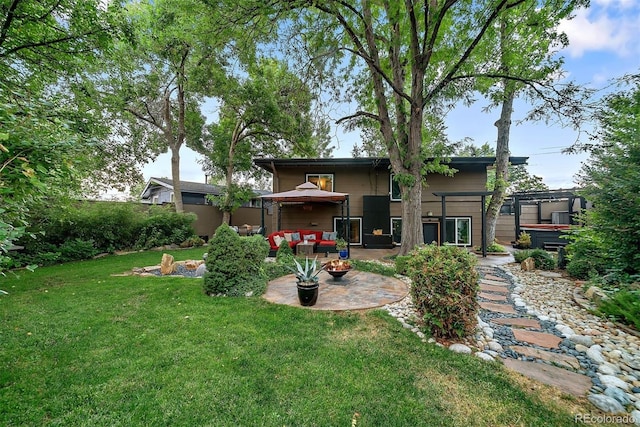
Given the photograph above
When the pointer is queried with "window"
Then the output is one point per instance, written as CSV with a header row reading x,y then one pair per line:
x,y
324,181
458,231
155,200
396,230
172,197
396,195
355,229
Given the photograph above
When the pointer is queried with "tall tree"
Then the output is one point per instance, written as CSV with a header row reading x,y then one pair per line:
x,y
45,148
610,179
265,113
157,79
526,41
415,54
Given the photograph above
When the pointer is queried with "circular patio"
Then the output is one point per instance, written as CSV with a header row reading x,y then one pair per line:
x,y
357,290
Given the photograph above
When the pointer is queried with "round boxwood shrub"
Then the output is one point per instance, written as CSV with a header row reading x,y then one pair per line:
x,y
234,264
445,289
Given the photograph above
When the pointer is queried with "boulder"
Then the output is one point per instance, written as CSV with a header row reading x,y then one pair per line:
x,y
528,264
595,294
460,348
606,403
201,270
167,266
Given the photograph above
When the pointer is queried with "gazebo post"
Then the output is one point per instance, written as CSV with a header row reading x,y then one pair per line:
x,y
348,228
262,218
484,231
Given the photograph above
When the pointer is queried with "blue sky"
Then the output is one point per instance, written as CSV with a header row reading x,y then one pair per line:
x,y
603,46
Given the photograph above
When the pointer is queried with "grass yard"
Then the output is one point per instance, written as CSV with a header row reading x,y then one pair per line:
x,y
81,347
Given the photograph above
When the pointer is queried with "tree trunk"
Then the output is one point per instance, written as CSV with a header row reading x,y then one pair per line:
x,y
411,218
175,176
502,163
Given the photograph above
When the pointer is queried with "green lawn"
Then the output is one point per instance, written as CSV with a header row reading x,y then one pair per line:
x,y
81,347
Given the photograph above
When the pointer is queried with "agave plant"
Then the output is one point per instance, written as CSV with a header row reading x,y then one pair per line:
x,y
308,273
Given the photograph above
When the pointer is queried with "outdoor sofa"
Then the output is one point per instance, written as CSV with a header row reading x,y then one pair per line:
x,y
324,241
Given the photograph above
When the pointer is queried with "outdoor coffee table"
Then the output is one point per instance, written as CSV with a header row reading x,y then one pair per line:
x,y
305,248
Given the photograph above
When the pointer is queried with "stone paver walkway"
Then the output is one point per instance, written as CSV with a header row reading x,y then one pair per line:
x,y
538,351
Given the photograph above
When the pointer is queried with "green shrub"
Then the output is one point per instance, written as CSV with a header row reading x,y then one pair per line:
x,y
373,267
235,264
444,289
543,259
285,253
623,306
165,227
273,270
82,230
77,249
587,254
401,264
191,242
524,240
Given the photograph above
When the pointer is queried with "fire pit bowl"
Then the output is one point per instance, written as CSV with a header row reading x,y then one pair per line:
x,y
337,268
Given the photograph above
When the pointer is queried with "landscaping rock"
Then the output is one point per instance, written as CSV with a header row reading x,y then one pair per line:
x,y
484,356
618,395
613,381
606,403
167,266
202,268
595,294
595,354
582,339
460,348
528,264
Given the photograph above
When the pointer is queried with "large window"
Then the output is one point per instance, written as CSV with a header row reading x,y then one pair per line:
x,y
324,181
396,195
459,231
396,230
355,230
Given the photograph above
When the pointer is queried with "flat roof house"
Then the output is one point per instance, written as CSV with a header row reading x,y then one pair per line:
x,y
375,202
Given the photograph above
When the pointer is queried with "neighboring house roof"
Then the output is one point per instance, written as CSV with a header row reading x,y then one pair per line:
x,y
187,187
271,165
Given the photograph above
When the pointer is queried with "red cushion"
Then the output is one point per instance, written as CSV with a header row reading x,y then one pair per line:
x,y
327,243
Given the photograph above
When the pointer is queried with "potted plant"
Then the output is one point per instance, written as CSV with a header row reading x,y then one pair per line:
x,y
307,281
341,246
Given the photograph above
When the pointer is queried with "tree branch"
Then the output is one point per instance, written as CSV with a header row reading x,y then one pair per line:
x,y
359,114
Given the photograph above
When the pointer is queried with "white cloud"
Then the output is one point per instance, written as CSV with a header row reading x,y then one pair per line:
x,y
603,28
622,4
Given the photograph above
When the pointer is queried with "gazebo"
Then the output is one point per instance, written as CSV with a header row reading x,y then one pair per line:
x,y
308,192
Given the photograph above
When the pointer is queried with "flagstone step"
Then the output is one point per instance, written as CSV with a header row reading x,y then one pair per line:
x,y
567,381
493,282
494,278
498,308
492,297
492,288
518,321
542,339
563,360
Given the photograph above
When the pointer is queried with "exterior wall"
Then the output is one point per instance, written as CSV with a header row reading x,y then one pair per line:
x,y
360,181
209,218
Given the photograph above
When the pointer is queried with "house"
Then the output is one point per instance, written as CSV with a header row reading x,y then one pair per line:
x,y
159,191
452,207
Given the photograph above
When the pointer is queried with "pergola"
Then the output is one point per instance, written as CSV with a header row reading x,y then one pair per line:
x,y
308,192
